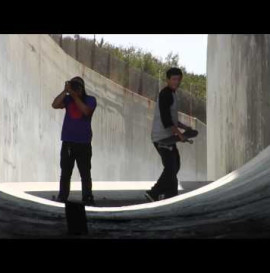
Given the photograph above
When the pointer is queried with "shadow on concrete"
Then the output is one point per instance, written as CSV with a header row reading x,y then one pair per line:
x,y
116,198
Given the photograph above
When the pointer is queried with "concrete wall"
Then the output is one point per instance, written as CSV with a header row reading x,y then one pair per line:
x,y
33,69
98,59
238,100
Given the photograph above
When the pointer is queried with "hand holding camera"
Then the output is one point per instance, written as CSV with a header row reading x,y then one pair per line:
x,y
67,87
71,90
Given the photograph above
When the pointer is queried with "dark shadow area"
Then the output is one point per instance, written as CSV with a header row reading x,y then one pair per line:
x,y
116,198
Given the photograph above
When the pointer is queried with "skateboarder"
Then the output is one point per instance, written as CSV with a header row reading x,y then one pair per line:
x,y
166,125
76,137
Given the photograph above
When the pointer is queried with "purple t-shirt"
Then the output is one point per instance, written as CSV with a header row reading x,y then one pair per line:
x,y
77,126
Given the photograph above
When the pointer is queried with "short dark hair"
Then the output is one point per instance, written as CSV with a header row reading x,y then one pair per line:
x,y
174,71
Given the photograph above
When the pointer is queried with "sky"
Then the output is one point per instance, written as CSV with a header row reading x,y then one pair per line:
x,y
191,48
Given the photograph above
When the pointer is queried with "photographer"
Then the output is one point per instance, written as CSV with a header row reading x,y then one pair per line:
x,y
76,137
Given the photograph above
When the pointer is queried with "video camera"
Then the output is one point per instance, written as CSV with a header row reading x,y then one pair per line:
x,y
74,85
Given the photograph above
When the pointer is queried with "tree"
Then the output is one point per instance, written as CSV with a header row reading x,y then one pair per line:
x,y
101,43
156,67
172,60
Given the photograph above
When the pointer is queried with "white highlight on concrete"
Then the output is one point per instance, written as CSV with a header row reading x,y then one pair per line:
x,y
19,190
76,186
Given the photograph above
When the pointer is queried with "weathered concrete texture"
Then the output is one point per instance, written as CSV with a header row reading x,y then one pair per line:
x,y
101,61
238,100
33,69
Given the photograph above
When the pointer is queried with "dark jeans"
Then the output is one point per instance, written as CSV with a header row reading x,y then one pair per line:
x,y
82,153
167,183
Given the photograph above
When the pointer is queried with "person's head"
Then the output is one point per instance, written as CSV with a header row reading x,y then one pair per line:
x,y
174,77
77,84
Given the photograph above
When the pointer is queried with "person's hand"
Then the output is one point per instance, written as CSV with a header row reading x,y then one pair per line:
x,y
177,132
73,94
67,87
181,137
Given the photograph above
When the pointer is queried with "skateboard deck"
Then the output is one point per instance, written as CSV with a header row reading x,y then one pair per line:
x,y
174,139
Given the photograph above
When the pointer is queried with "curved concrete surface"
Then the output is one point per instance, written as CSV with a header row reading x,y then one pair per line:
x,y
235,205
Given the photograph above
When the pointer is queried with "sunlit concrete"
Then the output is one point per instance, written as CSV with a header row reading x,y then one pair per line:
x,y
114,190
238,100
97,185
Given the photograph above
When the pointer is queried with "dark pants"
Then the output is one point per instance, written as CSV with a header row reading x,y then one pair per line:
x,y
167,183
82,153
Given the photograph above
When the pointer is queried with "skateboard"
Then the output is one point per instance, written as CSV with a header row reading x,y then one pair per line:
x,y
174,139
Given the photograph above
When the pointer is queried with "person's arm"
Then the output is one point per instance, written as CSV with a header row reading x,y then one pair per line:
x,y
86,109
165,102
176,131
58,102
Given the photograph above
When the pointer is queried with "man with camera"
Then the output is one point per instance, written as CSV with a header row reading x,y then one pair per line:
x,y
76,137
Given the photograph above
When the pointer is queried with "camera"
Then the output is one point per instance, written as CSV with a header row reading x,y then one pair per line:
x,y
75,86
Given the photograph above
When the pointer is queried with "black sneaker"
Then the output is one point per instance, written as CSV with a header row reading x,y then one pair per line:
x,y
149,195
89,201
162,197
